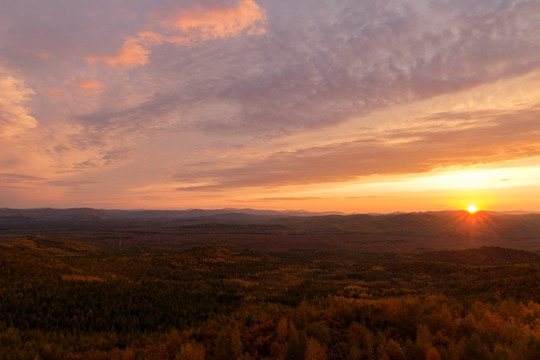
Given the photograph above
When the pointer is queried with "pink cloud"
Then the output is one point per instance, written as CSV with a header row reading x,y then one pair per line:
x,y
190,26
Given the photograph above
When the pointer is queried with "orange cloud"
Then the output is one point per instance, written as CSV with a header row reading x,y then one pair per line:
x,y
190,26
220,21
90,87
131,54
14,116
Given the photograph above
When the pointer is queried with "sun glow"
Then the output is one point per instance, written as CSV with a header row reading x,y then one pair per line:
x,y
472,209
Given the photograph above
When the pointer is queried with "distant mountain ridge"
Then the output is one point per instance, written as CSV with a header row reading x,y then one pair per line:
x,y
40,214
422,230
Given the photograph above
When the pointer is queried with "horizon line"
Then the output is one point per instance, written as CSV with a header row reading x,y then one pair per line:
x,y
325,212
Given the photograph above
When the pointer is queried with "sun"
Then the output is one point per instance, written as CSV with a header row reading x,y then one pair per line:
x,y
472,209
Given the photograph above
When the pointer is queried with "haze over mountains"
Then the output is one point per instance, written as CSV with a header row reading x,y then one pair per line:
x,y
88,213
38,214
277,230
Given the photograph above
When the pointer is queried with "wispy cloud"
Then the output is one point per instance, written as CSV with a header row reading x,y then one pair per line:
x,y
15,117
8,178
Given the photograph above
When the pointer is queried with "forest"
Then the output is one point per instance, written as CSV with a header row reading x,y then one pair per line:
x,y
66,299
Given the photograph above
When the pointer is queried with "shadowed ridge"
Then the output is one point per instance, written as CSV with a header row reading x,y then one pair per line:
x,y
484,256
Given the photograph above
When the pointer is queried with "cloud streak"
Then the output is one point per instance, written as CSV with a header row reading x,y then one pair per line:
x,y
504,137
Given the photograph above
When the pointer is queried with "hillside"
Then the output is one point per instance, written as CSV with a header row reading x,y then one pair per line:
x,y
60,299
58,246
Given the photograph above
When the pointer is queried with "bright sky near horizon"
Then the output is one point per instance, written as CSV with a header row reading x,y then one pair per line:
x,y
345,105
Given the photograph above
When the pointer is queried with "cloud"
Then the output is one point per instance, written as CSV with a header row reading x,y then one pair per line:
x,y
88,85
289,198
72,185
131,54
506,136
344,60
14,116
101,156
91,87
199,76
214,19
218,19
8,178
87,164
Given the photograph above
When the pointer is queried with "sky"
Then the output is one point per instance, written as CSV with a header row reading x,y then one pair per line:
x,y
323,105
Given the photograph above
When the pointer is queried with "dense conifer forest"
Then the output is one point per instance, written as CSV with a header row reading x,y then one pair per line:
x,y
62,299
